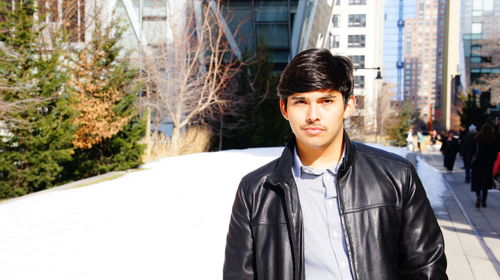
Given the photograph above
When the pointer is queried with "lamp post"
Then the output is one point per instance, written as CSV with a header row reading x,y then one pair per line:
x,y
379,73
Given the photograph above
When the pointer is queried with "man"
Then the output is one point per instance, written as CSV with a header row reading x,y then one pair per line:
x,y
329,208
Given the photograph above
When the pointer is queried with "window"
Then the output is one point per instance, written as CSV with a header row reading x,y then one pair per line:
x,y
267,11
360,101
357,2
477,28
335,41
475,50
359,81
477,5
275,35
337,2
358,61
356,41
335,20
357,20
319,42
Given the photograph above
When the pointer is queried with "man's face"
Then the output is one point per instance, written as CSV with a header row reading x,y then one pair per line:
x,y
316,118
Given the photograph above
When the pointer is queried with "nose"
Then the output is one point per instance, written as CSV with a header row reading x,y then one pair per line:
x,y
312,113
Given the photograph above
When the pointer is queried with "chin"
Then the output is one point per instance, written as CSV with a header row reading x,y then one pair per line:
x,y
317,145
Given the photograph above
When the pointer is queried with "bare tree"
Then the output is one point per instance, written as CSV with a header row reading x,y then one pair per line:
x,y
384,109
189,72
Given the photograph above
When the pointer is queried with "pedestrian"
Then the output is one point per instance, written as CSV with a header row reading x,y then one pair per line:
x,y
482,164
450,151
329,207
420,140
442,138
409,140
433,136
468,150
496,172
433,139
461,136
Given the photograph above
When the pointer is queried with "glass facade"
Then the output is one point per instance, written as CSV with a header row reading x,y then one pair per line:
x,y
391,21
263,24
480,33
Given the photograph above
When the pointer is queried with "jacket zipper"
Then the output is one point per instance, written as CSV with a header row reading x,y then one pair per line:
x,y
340,204
292,226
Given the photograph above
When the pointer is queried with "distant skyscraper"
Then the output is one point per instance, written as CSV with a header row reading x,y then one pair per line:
x,y
423,44
392,46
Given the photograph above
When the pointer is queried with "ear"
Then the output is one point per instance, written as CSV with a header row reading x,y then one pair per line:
x,y
283,108
350,107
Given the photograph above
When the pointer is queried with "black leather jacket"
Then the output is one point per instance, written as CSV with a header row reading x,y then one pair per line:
x,y
390,227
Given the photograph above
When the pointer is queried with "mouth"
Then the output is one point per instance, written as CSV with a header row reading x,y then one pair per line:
x,y
313,130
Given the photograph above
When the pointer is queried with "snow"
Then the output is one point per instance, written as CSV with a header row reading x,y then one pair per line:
x,y
167,221
434,185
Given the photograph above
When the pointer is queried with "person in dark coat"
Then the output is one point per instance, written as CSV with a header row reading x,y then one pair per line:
x,y
468,150
451,148
482,164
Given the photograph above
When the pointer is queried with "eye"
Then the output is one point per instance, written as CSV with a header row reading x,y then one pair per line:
x,y
327,101
299,102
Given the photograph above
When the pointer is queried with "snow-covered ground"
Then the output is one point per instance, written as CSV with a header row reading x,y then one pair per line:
x,y
168,221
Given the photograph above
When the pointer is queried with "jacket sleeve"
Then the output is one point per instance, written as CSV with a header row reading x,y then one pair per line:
x,y
238,263
421,245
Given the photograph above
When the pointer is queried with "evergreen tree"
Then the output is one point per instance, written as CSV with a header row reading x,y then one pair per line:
x,y
31,154
108,125
399,124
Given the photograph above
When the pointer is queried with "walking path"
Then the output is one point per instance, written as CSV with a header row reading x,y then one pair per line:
x,y
472,235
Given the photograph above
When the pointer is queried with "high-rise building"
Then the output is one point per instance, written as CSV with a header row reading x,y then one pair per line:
x,y
423,44
396,12
257,24
480,35
356,31
283,27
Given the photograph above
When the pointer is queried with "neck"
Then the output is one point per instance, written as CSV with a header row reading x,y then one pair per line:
x,y
321,158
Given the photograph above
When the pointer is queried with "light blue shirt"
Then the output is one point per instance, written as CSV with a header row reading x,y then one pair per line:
x,y
325,250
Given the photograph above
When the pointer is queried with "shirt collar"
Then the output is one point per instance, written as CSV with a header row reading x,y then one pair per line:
x,y
298,168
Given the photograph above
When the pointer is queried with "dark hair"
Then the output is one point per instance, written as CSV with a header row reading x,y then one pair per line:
x,y
486,133
317,69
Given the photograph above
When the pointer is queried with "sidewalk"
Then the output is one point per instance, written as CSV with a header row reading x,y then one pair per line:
x,y
472,235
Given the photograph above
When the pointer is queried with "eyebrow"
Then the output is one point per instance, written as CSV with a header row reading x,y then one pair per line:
x,y
328,96
322,97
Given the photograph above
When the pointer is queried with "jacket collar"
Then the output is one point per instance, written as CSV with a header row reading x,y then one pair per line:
x,y
283,171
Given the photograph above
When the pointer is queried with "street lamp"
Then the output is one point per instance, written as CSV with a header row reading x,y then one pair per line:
x,y
379,73
377,116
